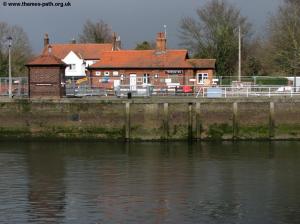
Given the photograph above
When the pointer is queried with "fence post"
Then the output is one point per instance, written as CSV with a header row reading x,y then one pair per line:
x,y
269,92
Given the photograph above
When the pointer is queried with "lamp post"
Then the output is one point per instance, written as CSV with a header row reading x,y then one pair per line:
x,y
9,67
240,56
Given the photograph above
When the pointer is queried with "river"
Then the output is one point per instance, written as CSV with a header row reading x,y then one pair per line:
x,y
245,182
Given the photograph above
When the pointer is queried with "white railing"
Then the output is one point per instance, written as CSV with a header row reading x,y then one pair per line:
x,y
251,91
209,92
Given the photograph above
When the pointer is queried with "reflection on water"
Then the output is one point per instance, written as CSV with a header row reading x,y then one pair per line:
x,y
244,182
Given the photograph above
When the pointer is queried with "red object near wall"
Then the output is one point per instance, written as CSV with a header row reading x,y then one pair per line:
x,y
187,89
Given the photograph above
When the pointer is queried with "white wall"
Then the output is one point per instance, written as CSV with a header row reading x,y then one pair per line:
x,y
79,70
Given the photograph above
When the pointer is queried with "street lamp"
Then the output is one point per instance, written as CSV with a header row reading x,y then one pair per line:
x,y
9,67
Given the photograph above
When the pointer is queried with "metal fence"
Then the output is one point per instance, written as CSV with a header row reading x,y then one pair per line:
x,y
85,89
252,91
208,92
19,86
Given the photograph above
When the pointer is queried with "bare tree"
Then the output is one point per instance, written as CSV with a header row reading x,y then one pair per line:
x,y
21,50
96,32
283,42
214,34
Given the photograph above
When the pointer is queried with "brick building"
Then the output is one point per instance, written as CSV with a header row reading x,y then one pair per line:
x,y
46,76
159,67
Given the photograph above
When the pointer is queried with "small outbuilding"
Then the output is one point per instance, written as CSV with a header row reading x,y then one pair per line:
x,y
46,76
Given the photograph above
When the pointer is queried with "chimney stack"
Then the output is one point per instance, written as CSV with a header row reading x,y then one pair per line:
x,y
46,40
161,42
73,41
116,42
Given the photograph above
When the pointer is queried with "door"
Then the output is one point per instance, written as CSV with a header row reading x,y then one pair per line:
x,y
117,83
132,82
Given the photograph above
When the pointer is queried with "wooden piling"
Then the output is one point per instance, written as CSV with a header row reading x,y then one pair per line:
x,y
166,122
127,121
190,122
235,121
272,120
198,121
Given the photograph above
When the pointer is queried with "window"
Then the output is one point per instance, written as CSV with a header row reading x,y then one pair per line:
x,y
98,73
106,73
201,77
146,79
72,66
115,73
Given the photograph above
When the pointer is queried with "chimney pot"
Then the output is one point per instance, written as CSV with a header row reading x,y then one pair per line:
x,y
49,49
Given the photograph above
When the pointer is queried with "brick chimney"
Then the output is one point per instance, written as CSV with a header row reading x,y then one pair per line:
x,y
161,41
46,40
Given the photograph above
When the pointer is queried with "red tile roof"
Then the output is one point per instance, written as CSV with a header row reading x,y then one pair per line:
x,y
86,51
143,59
152,59
203,63
46,59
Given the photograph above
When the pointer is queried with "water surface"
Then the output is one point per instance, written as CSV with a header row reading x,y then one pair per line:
x,y
243,182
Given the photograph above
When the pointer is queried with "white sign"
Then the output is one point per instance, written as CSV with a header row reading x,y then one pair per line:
x,y
174,72
168,80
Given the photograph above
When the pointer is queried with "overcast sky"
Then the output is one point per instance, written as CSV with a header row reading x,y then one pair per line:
x,y
133,20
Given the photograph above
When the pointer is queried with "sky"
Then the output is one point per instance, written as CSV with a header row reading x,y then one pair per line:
x,y
133,20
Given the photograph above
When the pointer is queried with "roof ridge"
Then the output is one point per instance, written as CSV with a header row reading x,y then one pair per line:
x,y
55,44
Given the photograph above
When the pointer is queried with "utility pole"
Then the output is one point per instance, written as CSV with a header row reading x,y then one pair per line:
x,y
240,55
9,67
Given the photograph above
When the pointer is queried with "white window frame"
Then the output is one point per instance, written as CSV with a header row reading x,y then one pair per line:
x,y
72,67
98,73
115,73
201,77
106,73
146,79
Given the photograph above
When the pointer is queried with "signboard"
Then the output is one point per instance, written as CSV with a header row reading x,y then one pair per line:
x,y
168,80
174,72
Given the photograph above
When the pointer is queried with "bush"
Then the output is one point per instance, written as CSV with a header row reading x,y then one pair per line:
x,y
272,81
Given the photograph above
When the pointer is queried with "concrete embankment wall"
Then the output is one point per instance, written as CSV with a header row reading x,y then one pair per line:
x,y
151,119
